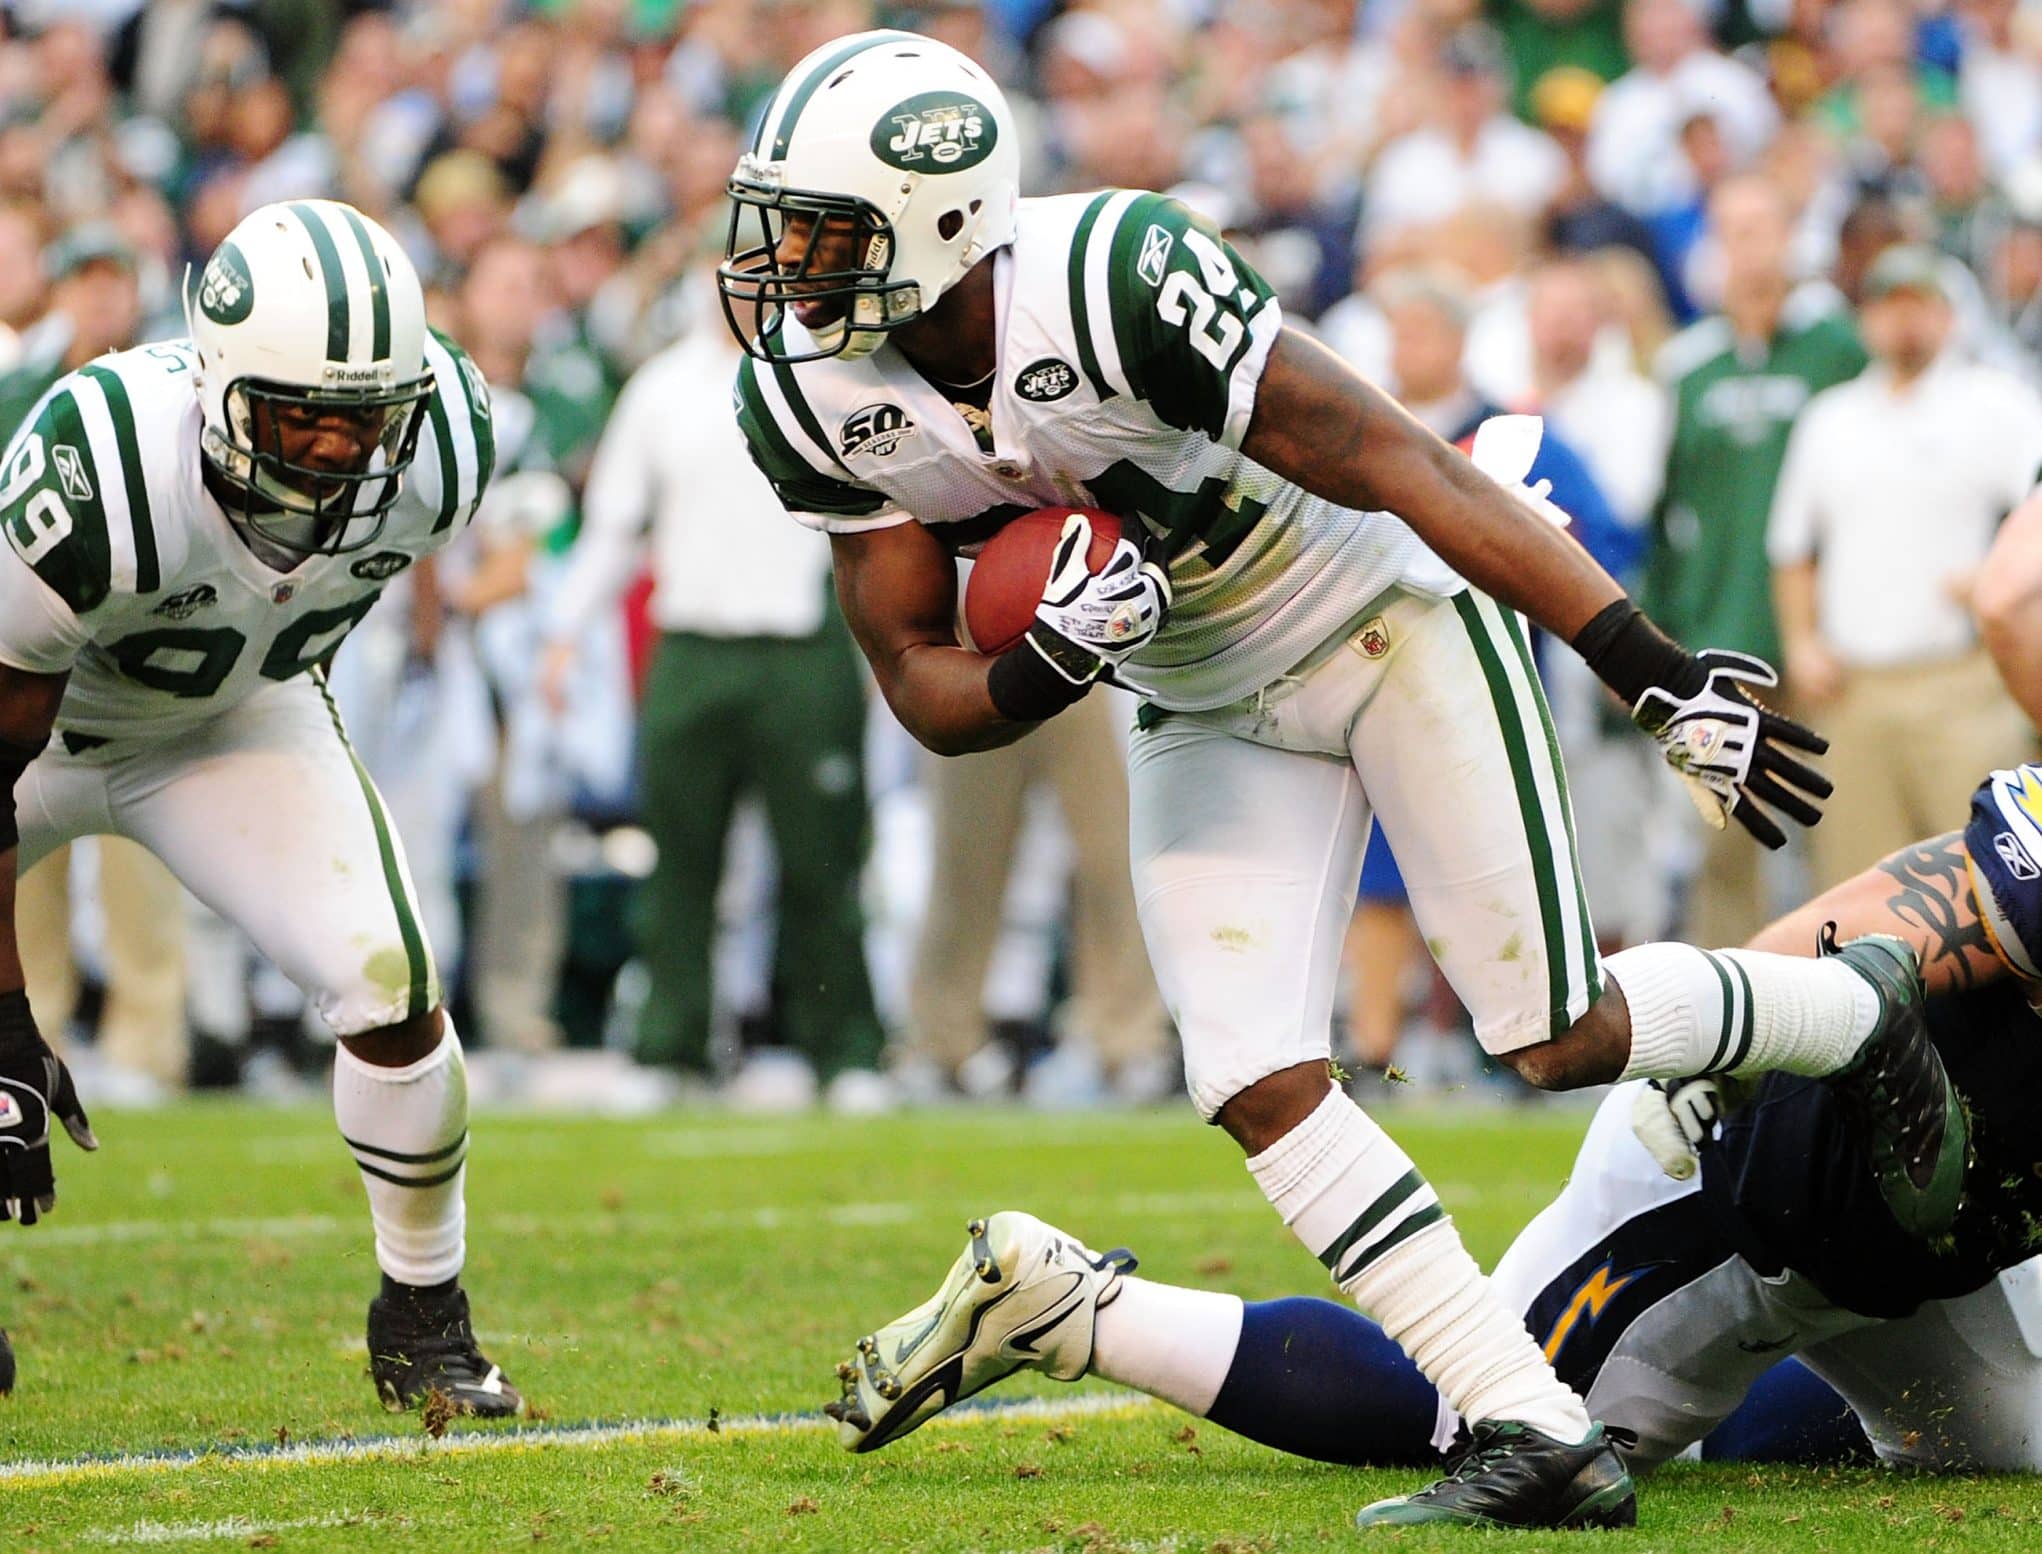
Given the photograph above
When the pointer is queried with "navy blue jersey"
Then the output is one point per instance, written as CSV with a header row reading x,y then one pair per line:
x,y
1790,1186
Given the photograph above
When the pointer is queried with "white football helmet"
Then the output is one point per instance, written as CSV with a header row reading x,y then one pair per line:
x,y
900,142
310,311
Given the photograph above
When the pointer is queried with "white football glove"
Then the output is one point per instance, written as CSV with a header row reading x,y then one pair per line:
x,y
1089,621
1727,747
1674,1122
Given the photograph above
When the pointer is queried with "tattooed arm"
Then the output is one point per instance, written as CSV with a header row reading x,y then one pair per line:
x,y
1921,894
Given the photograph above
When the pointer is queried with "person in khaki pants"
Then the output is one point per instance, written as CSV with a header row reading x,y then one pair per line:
x,y
978,803
1893,489
142,1028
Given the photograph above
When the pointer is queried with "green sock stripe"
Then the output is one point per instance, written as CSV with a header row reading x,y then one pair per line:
x,y
1431,1214
417,961
1530,807
1749,1028
435,1180
1383,1207
390,1154
1591,959
1715,1063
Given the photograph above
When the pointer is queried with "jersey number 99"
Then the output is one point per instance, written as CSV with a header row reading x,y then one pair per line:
x,y
43,521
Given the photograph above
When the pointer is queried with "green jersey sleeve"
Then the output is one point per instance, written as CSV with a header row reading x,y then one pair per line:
x,y
789,448
1167,311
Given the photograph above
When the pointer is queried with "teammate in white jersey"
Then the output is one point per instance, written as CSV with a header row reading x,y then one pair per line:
x,y
191,530
935,355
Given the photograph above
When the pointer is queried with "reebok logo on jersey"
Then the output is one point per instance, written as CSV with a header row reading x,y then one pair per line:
x,y
1155,256
2015,856
188,602
935,132
1046,380
385,563
478,387
71,470
875,429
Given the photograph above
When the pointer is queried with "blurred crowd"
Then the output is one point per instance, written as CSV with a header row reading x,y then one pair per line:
x,y
1770,269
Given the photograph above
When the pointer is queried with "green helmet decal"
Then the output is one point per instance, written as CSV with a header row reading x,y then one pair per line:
x,y
935,132
226,293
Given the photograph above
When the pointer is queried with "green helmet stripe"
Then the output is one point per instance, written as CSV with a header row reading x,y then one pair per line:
x,y
810,84
337,321
379,295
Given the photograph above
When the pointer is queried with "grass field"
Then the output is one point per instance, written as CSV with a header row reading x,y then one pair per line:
x,y
193,1375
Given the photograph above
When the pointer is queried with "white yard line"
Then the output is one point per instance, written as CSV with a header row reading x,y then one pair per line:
x,y
478,1443
238,1528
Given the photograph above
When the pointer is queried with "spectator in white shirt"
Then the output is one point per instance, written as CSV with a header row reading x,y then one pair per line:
x,y
1634,147
1474,152
1894,486
754,689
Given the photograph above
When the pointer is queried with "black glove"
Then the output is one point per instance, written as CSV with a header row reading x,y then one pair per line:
x,y
34,1085
1729,747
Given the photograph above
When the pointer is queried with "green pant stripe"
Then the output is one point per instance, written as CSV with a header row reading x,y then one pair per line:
x,y
1715,1062
415,956
1372,1216
1431,1214
1590,960
1530,804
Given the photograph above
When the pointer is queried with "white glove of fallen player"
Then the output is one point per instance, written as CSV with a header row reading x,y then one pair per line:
x,y
1673,1122
1730,749
1504,449
1088,621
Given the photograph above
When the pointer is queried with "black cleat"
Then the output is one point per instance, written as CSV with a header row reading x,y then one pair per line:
x,y
420,1342
1897,1094
6,1364
1510,1475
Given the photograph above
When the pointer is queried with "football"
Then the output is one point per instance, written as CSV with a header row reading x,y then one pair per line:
x,y
1006,580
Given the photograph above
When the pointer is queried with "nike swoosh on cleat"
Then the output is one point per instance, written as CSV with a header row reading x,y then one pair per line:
x,y
910,1344
1025,1342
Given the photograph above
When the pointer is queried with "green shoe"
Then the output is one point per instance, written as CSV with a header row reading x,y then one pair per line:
x,y
1897,1094
1511,1475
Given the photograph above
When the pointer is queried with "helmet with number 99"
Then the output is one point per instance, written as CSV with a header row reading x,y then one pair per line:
x,y
896,157
309,324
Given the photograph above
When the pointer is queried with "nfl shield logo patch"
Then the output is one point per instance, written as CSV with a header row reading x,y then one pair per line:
x,y
1372,641
283,593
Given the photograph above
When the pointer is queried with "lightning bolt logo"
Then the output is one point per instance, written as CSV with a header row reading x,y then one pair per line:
x,y
2028,797
1596,1292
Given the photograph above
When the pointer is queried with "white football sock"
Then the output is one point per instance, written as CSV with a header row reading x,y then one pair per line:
x,y
1172,1343
1358,1204
408,1129
1739,1011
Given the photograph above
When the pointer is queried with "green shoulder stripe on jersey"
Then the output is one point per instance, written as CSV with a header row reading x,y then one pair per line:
x,y
782,125
481,417
148,577
1081,311
53,515
337,321
1182,302
443,439
793,479
790,390
379,295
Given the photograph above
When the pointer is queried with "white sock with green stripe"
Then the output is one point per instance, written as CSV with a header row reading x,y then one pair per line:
x,y
1739,1011
1359,1205
408,1129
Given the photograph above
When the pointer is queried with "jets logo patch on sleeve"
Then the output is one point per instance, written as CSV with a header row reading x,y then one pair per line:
x,y
1044,381
384,563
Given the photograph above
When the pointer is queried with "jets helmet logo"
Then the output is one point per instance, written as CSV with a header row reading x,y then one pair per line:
x,y
935,132
226,292
876,429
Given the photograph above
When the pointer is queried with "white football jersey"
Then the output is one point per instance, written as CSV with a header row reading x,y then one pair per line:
x,y
1131,339
120,566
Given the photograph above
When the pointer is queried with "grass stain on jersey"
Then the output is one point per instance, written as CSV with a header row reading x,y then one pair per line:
x,y
389,971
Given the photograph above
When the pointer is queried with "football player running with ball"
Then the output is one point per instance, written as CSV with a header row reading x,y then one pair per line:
x,y
191,529
1306,665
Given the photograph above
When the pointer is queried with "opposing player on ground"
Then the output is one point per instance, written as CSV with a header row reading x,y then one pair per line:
x,y
191,530
935,356
1661,1292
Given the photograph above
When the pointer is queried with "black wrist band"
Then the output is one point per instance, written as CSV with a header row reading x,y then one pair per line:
x,y
1026,689
17,1026
1632,656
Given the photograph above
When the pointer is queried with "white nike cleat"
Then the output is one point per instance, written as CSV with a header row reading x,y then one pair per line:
x,y
1022,1294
